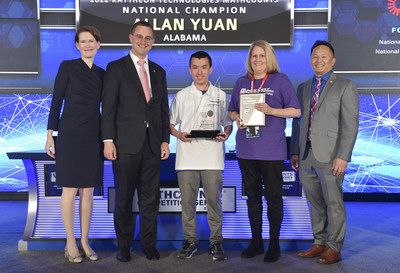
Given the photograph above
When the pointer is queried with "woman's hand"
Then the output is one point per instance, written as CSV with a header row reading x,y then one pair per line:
x,y
263,107
235,116
50,147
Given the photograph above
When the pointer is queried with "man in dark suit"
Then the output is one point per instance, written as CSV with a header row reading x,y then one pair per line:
x,y
135,129
322,142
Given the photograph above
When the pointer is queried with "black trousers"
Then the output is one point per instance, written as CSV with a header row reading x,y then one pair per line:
x,y
141,171
256,173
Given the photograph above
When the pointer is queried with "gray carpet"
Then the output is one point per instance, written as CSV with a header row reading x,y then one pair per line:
x,y
371,245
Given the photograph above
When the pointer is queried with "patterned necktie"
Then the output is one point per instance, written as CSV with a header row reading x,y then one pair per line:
x,y
314,102
144,80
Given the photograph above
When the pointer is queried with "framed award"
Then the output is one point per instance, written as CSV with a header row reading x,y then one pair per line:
x,y
250,115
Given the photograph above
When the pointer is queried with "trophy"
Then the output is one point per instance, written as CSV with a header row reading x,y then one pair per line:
x,y
207,119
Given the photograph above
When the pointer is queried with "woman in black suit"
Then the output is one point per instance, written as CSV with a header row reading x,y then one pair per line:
x,y
79,158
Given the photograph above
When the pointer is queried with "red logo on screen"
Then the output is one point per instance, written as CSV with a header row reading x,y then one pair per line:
x,y
392,7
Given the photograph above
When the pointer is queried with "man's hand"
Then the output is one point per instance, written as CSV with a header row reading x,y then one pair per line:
x,y
294,162
110,151
182,137
164,150
339,166
222,137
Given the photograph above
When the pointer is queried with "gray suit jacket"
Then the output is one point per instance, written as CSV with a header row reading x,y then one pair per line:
x,y
335,122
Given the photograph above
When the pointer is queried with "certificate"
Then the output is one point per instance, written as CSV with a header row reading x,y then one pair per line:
x,y
250,115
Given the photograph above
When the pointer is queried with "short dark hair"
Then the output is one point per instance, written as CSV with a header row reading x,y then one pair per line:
x,y
325,43
92,30
143,24
200,55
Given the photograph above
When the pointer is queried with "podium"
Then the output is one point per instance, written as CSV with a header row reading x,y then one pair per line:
x,y
44,228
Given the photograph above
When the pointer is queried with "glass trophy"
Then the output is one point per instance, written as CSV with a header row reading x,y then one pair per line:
x,y
207,119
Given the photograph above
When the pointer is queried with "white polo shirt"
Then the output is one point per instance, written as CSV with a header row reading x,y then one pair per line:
x,y
191,110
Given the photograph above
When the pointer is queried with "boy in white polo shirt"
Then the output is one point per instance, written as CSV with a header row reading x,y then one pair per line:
x,y
200,106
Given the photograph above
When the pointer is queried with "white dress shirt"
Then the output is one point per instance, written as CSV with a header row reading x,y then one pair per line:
x,y
146,66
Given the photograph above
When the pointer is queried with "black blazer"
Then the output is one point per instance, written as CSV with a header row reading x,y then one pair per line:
x,y
125,112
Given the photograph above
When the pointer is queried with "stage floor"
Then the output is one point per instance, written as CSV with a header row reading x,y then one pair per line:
x,y
371,245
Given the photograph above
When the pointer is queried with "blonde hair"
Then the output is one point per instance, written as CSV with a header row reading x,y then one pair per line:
x,y
272,62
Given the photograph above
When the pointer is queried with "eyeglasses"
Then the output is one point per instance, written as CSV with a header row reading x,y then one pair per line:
x,y
140,37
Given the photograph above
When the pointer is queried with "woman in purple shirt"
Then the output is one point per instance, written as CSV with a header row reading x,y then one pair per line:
x,y
262,150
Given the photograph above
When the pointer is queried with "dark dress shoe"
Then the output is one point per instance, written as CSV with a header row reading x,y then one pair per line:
x,y
151,253
314,251
273,253
123,257
329,256
253,250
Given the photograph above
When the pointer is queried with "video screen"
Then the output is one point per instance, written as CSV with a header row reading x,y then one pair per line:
x,y
19,37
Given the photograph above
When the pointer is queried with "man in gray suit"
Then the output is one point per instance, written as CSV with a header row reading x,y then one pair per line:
x,y
322,142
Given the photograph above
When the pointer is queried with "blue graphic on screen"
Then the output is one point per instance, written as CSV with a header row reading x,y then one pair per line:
x,y
374,166
372,27
375,162
19,39
51,4
23,127
310,4
23,117
228,63
56,45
